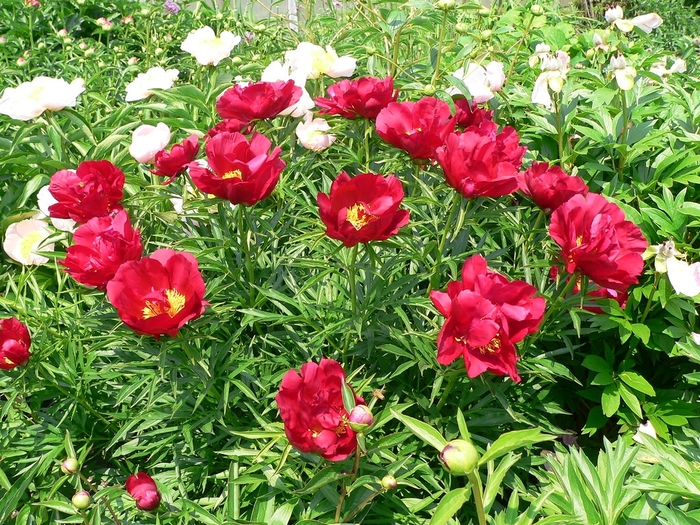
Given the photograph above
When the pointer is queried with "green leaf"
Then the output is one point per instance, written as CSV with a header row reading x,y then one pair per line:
x,y
610,400
597,364
636,381
449,505
462,424
424,431
512,441
630,400
348,397
326,476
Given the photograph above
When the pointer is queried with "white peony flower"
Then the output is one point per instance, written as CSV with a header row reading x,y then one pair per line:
x,y
481,82
314,61
31,99
554,70
45,200
684,277
277,71
312,133
624,74
645,428
148,140
144,84
24,239
613,14
647,22
207,48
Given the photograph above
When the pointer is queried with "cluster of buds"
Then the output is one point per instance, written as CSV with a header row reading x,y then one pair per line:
x,y
104,24
554,70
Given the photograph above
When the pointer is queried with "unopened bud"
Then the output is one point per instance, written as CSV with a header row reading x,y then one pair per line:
x,y
429,90
537,10
21,61
461,28
360,418
590,53
459,457
3,40
219,15
62,32
486,34
81,500
70,466
388,482
484,11
236,60
370,50
446,5
258,28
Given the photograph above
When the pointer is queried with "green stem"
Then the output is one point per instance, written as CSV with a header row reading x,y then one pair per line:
x,y
30,22
352,280
362,505
456,201
623,134
441,37
94,490
343,490
245,245
560,128
478,496
517,49
448,389
647,309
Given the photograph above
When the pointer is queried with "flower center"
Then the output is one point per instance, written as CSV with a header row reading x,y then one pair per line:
x,y
492,347
342,427
29,243
235,174
414,131
8,361
175,302
357,216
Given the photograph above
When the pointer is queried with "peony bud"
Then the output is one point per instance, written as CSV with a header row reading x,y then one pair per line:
x,y
70,466
459,457
537,10
3,40
461,28
81,500
446,5
388,482
429,90
360,418
486,34
484,11
21,61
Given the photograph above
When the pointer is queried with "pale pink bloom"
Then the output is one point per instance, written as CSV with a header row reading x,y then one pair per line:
x,y
662,253
24,239
624,74
31,99
647,22
144,84
684,277
207,48
613,14
277,71
45,200
645,428
148,140
312,133
314,61
481,82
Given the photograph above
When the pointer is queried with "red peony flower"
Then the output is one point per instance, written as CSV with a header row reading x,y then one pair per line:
x,y
364,97
99,248
94,190
416,127
231,125
174,163
311,407
480,162
144,490
258,101
158,294
596,240
14,343
468,114
362,209
486,315
549,186
240,171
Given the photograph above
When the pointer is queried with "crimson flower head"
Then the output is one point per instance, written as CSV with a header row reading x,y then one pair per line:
x,y
419,128
364,97
99,248
486,314
240,171
14,343
480,162
158,294
258,101
596,240
95,189
363,208
467,114
311,407
143,489
549,186
174,163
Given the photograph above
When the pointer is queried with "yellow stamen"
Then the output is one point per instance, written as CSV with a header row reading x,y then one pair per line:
x,y
235,174
175,304
357,216
8,361
29,243
492,347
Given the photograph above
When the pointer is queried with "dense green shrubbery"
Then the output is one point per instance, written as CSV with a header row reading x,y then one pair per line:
x,y
196,411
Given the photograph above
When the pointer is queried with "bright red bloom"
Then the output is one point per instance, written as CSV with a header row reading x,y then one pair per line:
x,y
486,315
99,248
144,490
240,171
364,97
174,163
93,190
468,114
416,127
158,294
362,209
258,101
596,240
480,162
549,186
311,407
231,125
14,343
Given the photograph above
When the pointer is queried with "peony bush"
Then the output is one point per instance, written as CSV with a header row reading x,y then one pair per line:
x,y
380,263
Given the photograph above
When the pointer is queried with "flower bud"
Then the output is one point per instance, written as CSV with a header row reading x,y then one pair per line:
x,y
21,61
219,15
459,457
484,11
590,53
446,5
62,32
370,50
236,60
258,28
70,466
388,482
486,34
537,10
81,500
360,418
132,61
429,90
461,28
3,40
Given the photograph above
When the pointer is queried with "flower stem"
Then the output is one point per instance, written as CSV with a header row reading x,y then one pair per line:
x,y
623,134
456,201
441,37
478,496
657,276
517,49
352,280
343,489
560,128
94,490
243,234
